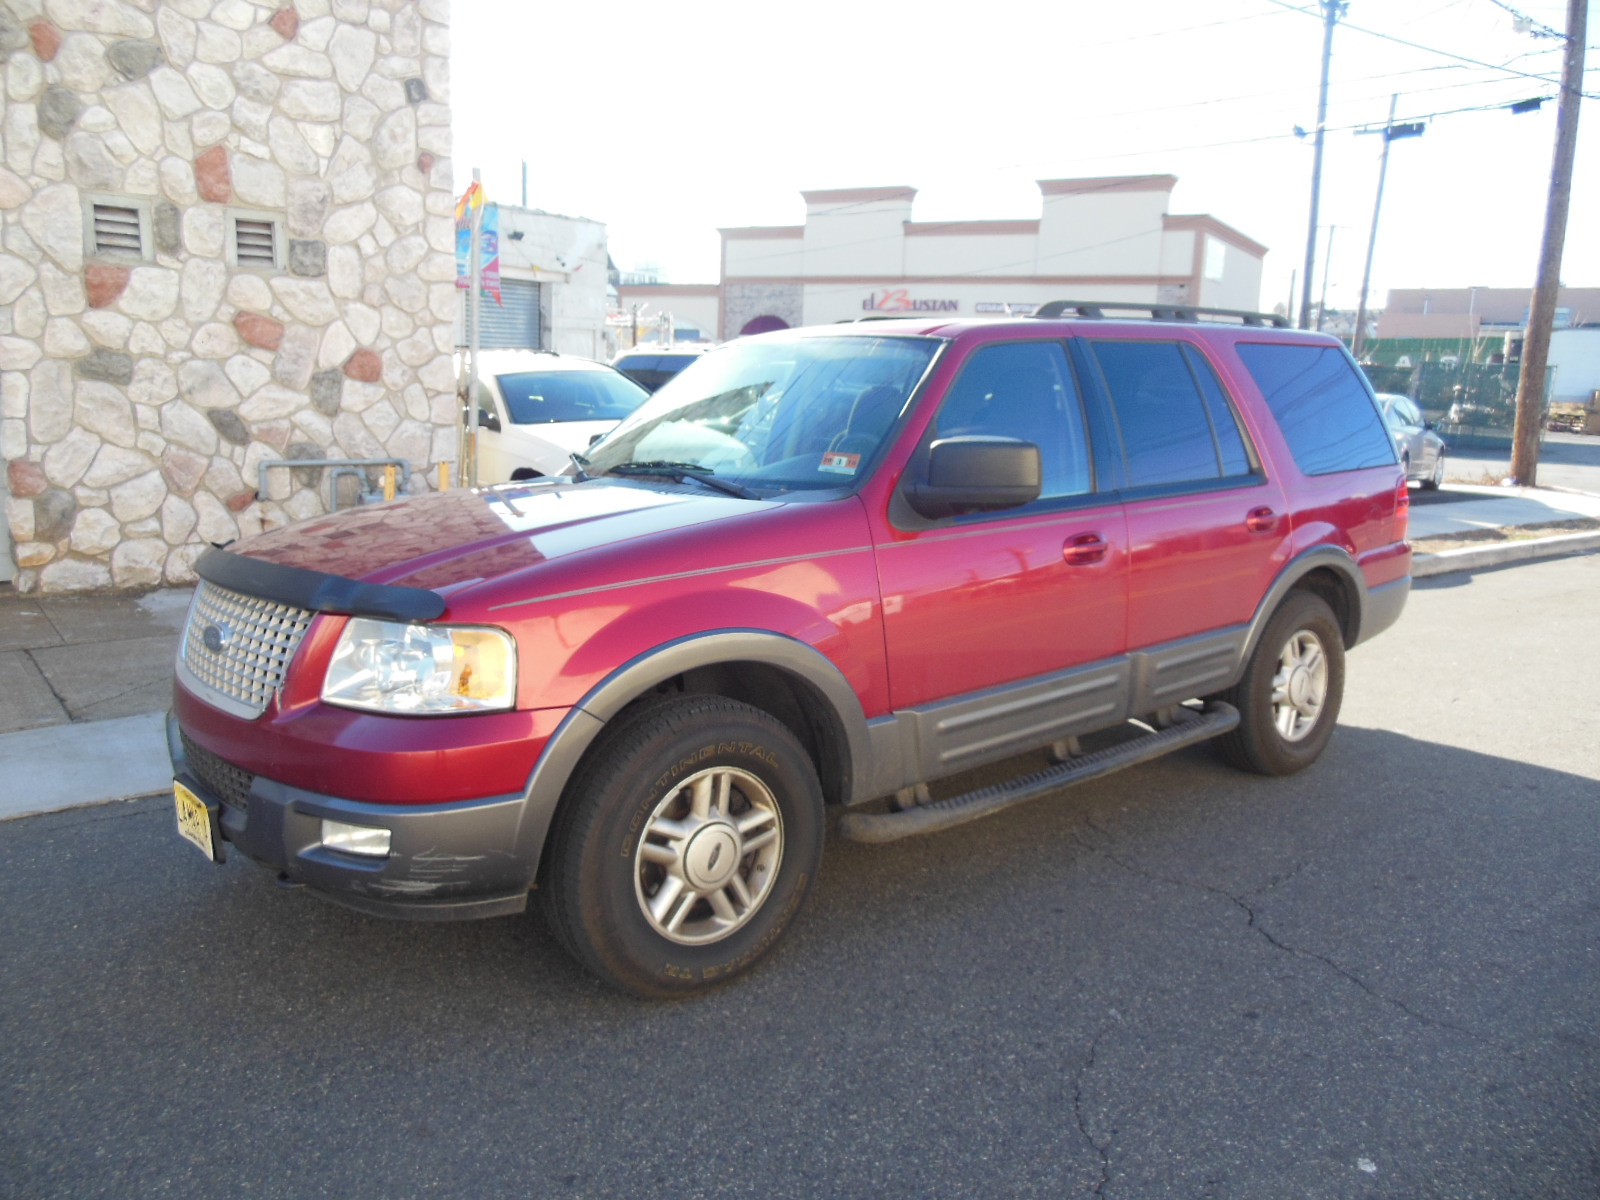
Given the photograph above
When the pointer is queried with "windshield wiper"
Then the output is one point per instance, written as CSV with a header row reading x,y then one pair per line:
x,y
579,462
682,470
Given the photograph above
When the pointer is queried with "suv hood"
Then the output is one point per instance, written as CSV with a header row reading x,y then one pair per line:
x,y
446,540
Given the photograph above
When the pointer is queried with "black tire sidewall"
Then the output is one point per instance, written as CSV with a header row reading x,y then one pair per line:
x,y
1265,749
664,746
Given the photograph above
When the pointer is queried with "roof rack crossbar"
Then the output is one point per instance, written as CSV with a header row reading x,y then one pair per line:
x,y
1095,310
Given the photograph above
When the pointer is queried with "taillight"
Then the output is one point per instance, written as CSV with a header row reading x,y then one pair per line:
x,y
1402,511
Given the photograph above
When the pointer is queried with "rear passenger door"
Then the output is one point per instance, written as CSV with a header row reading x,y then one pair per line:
x,y
1207,529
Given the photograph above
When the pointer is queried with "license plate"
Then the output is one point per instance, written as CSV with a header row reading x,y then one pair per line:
x,y
196,821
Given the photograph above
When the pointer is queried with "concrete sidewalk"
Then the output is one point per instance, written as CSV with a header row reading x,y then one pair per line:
x,y
84,680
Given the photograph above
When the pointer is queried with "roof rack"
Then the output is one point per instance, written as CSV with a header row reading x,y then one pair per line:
x,y
1095,310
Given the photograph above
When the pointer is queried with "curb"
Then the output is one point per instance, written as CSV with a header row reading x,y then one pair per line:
x,y
95,762
1474,558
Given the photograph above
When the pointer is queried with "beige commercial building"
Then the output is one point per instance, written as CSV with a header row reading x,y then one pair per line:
x,y
1477,311
860,253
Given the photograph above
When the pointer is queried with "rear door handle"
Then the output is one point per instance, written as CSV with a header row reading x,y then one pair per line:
x,y
1083,549
1261,520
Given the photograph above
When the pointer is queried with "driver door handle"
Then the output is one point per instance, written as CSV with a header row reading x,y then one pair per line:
x,y
1083,549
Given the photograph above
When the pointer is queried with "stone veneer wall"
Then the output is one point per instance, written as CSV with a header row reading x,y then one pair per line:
x,y
138,396
744,302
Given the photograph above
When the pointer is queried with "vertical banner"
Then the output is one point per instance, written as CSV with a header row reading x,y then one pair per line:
x,y
489,239
466,208
470,206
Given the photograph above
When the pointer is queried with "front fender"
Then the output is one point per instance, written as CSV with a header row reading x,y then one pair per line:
x,y
584,724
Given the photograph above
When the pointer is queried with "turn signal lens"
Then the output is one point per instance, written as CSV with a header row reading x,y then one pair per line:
x,y
1402,511
421,670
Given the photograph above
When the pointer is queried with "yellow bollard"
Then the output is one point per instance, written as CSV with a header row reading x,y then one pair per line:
x,y
389,474
444,477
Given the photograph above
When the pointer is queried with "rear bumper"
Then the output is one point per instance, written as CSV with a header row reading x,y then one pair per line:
x,y
455,861
1384,605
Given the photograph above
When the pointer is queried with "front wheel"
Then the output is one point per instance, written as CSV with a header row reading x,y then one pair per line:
x,y
1288,698
685,846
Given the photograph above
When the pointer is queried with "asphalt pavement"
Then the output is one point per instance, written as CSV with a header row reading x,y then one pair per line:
x,y
1375,979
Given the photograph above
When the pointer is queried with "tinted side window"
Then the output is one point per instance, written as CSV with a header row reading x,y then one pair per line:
x,y
1231,450
1167,432
1024,390
1321,406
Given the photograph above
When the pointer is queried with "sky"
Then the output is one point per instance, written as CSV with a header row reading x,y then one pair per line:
x,y
669,121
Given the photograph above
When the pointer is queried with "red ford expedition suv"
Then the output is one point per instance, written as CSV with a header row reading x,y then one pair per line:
x,y
827,566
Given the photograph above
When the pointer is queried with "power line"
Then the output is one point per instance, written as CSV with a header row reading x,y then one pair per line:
x,y
1389,37
1535,28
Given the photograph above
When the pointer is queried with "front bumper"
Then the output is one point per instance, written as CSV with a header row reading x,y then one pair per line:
x,y
455,861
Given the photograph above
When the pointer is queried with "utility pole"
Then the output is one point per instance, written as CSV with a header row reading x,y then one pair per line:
x,y
1541,317
1331,11
1372,237
1327,267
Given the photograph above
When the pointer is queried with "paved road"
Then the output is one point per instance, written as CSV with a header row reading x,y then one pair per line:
x,y
1567,460
1377,979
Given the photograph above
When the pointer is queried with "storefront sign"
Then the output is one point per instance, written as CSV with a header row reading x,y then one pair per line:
x,y
899,300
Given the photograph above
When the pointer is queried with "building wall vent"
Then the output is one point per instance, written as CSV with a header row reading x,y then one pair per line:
x,y
116,227
255,241
116,230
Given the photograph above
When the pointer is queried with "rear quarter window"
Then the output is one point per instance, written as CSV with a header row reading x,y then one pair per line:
x,y
1324,411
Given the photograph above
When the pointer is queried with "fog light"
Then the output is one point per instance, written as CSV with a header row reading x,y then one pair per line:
x,y
356,839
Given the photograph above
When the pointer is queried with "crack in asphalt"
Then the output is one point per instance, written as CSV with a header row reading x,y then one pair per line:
x,y
1276,943
1084,1068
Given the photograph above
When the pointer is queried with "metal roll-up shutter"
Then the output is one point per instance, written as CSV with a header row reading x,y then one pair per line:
x,y
513,324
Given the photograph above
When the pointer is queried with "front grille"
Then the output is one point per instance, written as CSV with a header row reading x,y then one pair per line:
x,y
239,646
226,782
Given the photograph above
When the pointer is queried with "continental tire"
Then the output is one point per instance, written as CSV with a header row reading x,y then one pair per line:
x,y
685,846
1288,698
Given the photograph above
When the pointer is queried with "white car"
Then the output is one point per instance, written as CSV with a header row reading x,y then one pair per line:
x,y
537,408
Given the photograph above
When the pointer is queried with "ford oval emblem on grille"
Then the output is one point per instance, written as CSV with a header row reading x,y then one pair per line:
x,y
216,637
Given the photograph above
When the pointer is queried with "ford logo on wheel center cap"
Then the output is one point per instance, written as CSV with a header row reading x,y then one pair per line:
x,y
215,637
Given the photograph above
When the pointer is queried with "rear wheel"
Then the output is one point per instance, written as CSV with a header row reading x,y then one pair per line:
x,y
1432,482
1288,698
685,846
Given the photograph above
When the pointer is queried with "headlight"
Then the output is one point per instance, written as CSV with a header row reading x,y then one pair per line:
x,y
422,670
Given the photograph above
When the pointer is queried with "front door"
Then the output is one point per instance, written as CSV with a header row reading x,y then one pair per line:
x,y
982,601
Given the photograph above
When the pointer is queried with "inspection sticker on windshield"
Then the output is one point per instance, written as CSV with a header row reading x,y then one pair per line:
x,y
840,464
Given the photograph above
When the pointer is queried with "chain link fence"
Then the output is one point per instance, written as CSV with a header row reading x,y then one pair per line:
x,y
1471,404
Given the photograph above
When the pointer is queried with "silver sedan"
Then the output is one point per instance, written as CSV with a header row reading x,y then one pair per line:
x,y
1421,450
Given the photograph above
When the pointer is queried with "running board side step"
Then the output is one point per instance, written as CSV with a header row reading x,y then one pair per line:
x,y
1217,719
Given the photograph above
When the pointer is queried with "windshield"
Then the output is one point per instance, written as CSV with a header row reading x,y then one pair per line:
x,y
650,371
541,397
794,414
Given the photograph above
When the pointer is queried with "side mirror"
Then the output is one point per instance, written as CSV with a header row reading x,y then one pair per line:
x,y
488,420
976,474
